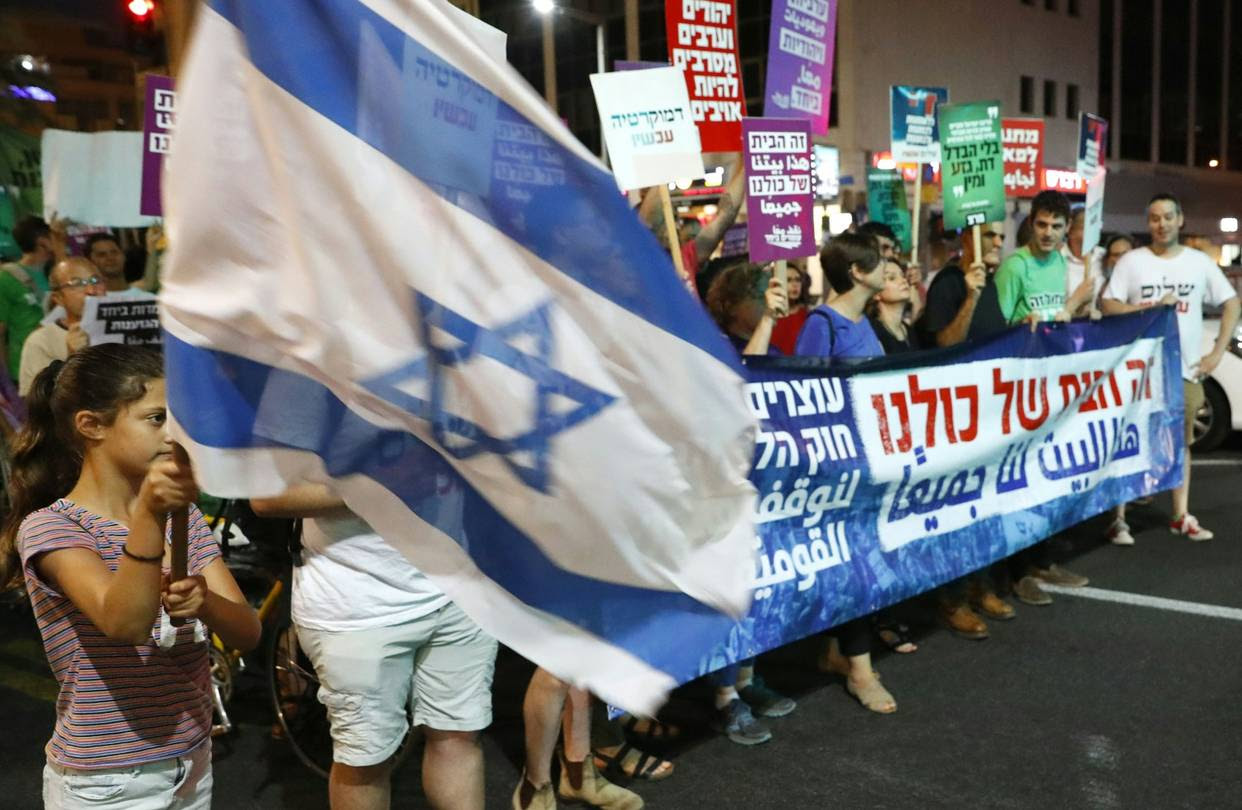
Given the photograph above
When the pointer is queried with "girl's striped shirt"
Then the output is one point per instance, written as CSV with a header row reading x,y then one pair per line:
x,y
120,705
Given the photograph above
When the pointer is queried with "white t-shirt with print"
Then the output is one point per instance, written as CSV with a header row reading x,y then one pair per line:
x,y
350,579
1143,278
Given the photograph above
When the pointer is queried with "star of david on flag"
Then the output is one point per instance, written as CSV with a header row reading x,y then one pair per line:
x,y
452,341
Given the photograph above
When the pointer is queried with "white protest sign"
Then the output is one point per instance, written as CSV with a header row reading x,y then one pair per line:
x,y
131,317
1093,215
647,124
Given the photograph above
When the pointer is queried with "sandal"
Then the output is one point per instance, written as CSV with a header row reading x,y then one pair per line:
x,y
873,696
631,763
648,729
896,636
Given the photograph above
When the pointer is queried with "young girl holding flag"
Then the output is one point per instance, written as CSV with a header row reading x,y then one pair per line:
x,y
93,478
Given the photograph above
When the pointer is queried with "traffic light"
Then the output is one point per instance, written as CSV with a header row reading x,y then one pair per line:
x,y
145,38
140,11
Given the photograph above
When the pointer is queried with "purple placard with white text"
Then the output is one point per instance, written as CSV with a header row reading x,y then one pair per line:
x,y
157,124
799,78
779,184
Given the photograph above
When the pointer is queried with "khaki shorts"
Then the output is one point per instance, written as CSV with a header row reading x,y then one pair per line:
x,y
176,783
1192,393
439,665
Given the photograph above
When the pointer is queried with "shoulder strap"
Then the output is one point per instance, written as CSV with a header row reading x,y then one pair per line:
x,y
821,311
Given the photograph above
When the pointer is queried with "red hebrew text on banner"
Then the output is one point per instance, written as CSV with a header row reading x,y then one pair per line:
x,y
702,41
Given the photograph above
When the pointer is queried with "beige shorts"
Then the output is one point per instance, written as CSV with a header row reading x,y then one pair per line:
x,y
439,666
1194,397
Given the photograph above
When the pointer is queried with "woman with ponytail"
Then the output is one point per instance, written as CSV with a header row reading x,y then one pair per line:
x,y
93,479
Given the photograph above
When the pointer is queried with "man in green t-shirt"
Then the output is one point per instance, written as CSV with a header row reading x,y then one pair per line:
x,y
1030,286
24,287
1030,283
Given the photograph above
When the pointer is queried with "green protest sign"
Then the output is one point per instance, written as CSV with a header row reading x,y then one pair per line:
x,y
21,184
886,202
972,168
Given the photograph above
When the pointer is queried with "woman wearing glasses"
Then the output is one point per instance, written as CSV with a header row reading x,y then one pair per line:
x,y
60,334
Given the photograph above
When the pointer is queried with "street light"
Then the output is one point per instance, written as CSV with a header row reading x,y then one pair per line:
x,y
546,8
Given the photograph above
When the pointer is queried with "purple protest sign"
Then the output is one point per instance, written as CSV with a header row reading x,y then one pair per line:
x,y
799,79
157,124
779,207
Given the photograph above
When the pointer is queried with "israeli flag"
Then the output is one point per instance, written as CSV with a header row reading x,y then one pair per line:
x,y
393,269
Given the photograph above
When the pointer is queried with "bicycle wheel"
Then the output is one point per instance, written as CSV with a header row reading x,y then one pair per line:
x,y
294,689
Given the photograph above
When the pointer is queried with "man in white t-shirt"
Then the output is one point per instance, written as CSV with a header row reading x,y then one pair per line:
x,y
384,639
1171,274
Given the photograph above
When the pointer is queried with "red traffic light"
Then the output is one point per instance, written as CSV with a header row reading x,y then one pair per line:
x,y
140,9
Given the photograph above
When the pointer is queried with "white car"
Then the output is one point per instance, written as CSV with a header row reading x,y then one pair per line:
x,y
1221,413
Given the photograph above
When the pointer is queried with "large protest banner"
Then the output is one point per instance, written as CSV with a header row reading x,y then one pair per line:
x,y
648,126
973,170
799,75
159,116
780,191
1022,141
702,41
1092,144
914,124
886,202
882,481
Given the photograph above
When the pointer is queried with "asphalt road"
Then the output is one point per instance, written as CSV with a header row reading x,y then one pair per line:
x,y
1088,703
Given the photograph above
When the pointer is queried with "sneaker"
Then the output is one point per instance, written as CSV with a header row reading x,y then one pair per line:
x,y
1119,534
737,723
1028,592
1188,525
765,701
1056,575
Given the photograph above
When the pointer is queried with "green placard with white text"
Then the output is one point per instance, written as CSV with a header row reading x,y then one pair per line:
x,y
972,168
886,202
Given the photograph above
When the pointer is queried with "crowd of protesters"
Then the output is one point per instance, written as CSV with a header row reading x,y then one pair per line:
x,y
94,473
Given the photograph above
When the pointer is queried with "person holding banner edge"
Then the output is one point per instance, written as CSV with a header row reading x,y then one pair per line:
x,y
840,331
1168,273
1031,288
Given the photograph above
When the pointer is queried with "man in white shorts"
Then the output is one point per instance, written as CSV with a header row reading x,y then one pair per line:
x,y
1172,274
383,639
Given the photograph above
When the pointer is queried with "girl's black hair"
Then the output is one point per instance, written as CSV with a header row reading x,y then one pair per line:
x,y
47,452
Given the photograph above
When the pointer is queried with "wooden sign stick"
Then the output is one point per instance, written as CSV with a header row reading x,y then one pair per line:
x,y
914,220
977,235
180,530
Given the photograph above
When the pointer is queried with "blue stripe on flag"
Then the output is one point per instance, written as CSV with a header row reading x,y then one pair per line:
x,y
355,68
219,399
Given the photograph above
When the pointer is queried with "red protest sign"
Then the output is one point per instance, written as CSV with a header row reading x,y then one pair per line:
x,y
702,41
1022,142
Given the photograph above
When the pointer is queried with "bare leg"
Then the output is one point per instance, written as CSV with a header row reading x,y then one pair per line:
x,y
453,770
359,788
1181,495
541,710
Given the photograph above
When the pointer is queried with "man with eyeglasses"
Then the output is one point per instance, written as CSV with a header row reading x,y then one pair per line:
x,y
60,334
962,304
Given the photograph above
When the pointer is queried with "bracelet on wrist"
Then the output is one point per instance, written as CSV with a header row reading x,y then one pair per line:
x,y
138,557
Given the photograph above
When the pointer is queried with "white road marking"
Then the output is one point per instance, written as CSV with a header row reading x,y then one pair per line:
x,y
1215,462
1143,600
